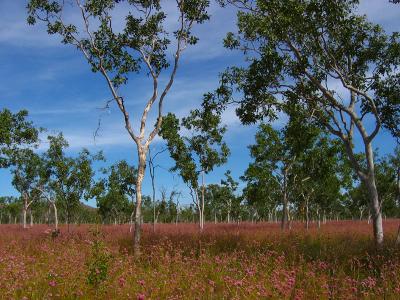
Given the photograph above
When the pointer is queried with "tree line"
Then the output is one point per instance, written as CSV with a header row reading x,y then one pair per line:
x,y
291,177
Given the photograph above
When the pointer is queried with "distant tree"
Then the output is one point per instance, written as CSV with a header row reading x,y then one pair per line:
x,y
339,67
229,199
10,207
27,178
143,42
152,171
114,193
394,161
70,178
295,166
199,152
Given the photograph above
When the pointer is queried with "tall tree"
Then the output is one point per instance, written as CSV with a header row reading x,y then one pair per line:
x,y
199,152
142,44
340,67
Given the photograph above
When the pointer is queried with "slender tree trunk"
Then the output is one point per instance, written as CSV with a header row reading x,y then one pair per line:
x,y
31,217
24,209
24,217
398,237
285,211
202,201
138,208
55,215
307,216
152,176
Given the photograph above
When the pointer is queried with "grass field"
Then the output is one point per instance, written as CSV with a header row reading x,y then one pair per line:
x,y
249,261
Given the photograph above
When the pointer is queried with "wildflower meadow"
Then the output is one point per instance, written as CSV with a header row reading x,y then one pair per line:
x,y
225,261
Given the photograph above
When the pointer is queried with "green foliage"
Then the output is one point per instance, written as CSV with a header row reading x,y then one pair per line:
x,y
98,262
221,200
296,49
70,178
15,132
28,173
115,194
10,209
119,52
203,149
387,175
315,167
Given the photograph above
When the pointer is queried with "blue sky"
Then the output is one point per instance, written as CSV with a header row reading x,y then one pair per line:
x,y
56,85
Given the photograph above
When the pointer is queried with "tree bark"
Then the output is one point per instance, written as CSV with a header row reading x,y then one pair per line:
x,y
361,213
138,209
398,237
24,217
55,215
376,212
368,178
202,202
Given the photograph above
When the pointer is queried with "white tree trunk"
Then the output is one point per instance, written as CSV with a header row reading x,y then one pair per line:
x,y
24,217
202,202
138,209
55,216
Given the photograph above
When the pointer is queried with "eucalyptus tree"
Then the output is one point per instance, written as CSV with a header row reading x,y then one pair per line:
x,y
339,66
27,178
325,176
200,151
297,166
115,192
152,171
16,132
11,207
269,174
228,197
71,178
142,45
